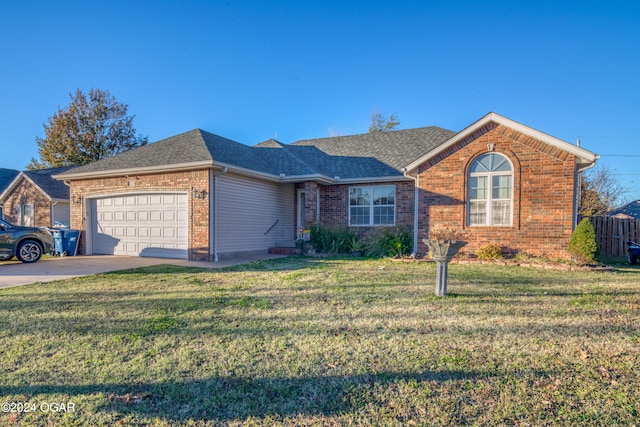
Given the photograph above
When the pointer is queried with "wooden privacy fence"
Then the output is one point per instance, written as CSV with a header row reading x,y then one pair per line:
x,y
612,234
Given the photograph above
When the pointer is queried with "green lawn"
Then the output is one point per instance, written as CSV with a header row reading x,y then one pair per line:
x,y
304,341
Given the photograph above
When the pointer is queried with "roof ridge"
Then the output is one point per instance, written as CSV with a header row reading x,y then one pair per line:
x,y
299,159
385,133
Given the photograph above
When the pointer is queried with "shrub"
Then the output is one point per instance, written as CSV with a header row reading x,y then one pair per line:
x,y
389,241
332,241
583,244
489,251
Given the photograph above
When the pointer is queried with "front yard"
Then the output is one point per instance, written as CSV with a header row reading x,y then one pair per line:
x,y
303,341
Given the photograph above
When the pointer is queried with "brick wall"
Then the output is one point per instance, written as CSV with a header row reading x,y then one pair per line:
x,y
82,190
334,205
26,193
543,193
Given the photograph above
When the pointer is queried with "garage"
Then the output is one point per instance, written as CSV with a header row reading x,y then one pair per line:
x,y
152,225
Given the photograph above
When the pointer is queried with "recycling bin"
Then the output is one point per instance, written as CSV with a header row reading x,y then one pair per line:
x,y
65,242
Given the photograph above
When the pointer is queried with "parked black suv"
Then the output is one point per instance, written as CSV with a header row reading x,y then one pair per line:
x,y
27,244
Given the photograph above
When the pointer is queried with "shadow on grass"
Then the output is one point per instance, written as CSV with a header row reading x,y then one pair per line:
x,y
275,264
227,398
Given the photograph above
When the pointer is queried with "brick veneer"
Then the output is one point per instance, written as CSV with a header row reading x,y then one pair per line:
x,y
543,193
543,196
175,181
334,205
26,193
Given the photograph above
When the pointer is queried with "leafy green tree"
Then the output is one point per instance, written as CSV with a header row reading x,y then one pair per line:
x,y
380,122
90,128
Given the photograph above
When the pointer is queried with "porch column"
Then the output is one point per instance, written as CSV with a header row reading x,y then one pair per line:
x,y
310,202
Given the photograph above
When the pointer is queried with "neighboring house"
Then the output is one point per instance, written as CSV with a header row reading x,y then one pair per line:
x,y
628,211
200,196
6,177
35,199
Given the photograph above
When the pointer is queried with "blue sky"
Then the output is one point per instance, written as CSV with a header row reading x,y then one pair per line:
x,y
252,70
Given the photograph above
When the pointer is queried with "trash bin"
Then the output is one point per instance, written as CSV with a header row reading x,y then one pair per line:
x,y
65,242
70,242
57,242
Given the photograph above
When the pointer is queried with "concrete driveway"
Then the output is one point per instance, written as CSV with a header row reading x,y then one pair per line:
x,y
14,273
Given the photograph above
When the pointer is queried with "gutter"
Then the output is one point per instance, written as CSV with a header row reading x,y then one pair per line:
x,y
281,179
133,171
415,210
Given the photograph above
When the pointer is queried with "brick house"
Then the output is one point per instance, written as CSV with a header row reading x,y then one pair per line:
x,y
200,196
35,199
6,177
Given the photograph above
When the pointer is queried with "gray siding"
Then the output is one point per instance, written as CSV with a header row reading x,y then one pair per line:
x,y
60,212
247,208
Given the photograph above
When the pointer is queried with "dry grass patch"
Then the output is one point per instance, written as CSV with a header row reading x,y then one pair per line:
x,y
325,342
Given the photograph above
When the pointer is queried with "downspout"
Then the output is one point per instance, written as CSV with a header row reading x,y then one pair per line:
x,y
52,212
578,188
213,211
415,210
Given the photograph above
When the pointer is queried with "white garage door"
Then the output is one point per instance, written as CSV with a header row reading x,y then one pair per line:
x,y
153,225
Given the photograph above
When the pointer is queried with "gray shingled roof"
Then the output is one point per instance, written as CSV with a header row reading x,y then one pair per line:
x,y
396,149
6,177
630,209
52,187
381,154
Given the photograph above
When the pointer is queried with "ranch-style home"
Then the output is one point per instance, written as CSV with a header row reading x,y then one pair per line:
x,y
33,198
200,196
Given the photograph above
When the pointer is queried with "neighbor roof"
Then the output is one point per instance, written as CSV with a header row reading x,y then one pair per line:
x,y
41,178
630,210
51,187
6,177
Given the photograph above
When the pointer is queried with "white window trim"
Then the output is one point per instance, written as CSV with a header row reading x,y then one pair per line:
x,y
32,216
372,206
488,201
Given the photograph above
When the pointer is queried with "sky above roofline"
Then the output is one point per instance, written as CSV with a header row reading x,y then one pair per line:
x,y
250,71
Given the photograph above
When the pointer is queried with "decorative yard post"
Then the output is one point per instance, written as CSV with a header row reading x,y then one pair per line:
x,y
443,251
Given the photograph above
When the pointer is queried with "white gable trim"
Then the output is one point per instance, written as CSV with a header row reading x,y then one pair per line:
x,y
15,182
586,158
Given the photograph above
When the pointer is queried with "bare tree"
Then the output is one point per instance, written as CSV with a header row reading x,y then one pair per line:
x,y
380,122
600,192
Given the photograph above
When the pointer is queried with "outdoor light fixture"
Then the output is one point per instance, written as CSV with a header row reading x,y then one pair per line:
x,y
76,200
199,194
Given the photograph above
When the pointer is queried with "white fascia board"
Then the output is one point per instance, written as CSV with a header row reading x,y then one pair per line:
x,y
372,180
15,181
584,156
133,171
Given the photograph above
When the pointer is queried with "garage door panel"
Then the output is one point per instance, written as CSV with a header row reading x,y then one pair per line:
x,y
154,225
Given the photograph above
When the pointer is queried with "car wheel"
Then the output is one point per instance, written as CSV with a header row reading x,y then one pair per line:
x,y
29,251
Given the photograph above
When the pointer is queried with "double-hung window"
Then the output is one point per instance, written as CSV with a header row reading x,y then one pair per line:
x,y
373,205
26,215
490,191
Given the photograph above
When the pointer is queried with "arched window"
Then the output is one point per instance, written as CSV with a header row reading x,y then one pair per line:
x,y
490,191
